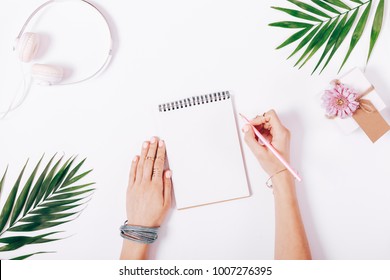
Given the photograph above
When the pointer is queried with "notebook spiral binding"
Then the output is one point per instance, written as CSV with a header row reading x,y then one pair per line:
x,y
194,101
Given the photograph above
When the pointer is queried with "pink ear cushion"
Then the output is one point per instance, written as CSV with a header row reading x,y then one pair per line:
x,y
28,46
45,74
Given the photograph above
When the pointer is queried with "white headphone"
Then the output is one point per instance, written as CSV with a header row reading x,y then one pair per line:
x,y
27,45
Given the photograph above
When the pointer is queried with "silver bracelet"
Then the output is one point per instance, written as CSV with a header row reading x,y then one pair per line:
x,y
144,235
268,183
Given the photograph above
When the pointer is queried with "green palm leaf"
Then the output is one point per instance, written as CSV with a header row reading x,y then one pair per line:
x,y
50,205
320,28
73,173
54,209
376,26
325,6
297,14
58,178
43,206
75,179
16,242
344,32
293,38
309,8
357,34
316,40
305,40
322,41
46,182
291,24
7,209
338,3
29,255
34,192
332,40
2,180
23,195
75,188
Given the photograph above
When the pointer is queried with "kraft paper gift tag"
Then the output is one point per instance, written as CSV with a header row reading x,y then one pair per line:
x,y
368,117
372,122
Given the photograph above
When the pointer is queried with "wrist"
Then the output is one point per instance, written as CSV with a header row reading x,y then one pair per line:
x,y
134,250
283,183
136,241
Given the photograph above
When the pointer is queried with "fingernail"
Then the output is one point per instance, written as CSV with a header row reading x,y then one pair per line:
x,y
168,174
161,143
153,140
135,159
245,128
145,145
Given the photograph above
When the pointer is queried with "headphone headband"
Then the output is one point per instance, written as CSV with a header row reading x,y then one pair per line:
x,y
110,51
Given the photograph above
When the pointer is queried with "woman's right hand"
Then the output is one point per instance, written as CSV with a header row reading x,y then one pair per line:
x,y
276,133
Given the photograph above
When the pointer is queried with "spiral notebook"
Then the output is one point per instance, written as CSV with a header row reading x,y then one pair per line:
x,y
203,149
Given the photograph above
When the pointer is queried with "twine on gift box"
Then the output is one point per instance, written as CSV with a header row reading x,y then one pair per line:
x,y
366,115
364,104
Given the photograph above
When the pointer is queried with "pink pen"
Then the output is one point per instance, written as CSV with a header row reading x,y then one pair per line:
x,y
273,150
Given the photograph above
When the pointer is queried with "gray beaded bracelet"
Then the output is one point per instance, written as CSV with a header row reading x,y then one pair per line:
x,y
145,235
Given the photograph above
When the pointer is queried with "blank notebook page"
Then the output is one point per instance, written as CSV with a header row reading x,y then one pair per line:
x,y
203,150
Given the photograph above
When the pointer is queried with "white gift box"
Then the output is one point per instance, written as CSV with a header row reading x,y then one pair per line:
x,y
356,80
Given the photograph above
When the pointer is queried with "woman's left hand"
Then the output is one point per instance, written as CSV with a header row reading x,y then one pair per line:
x,y
150,187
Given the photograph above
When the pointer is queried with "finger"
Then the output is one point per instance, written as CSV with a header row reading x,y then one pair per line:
x,y
133,170
150,158
141,162
274,120
159,162
259,120
267,135
167,188
268,126
277,129
250,139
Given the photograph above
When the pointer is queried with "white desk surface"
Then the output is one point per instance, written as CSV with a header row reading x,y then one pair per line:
x,y
165,50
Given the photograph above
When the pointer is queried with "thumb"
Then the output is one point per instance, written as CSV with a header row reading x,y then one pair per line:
x,y
249,136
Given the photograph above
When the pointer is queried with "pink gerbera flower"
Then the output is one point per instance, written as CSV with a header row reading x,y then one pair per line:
x,y
340,101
